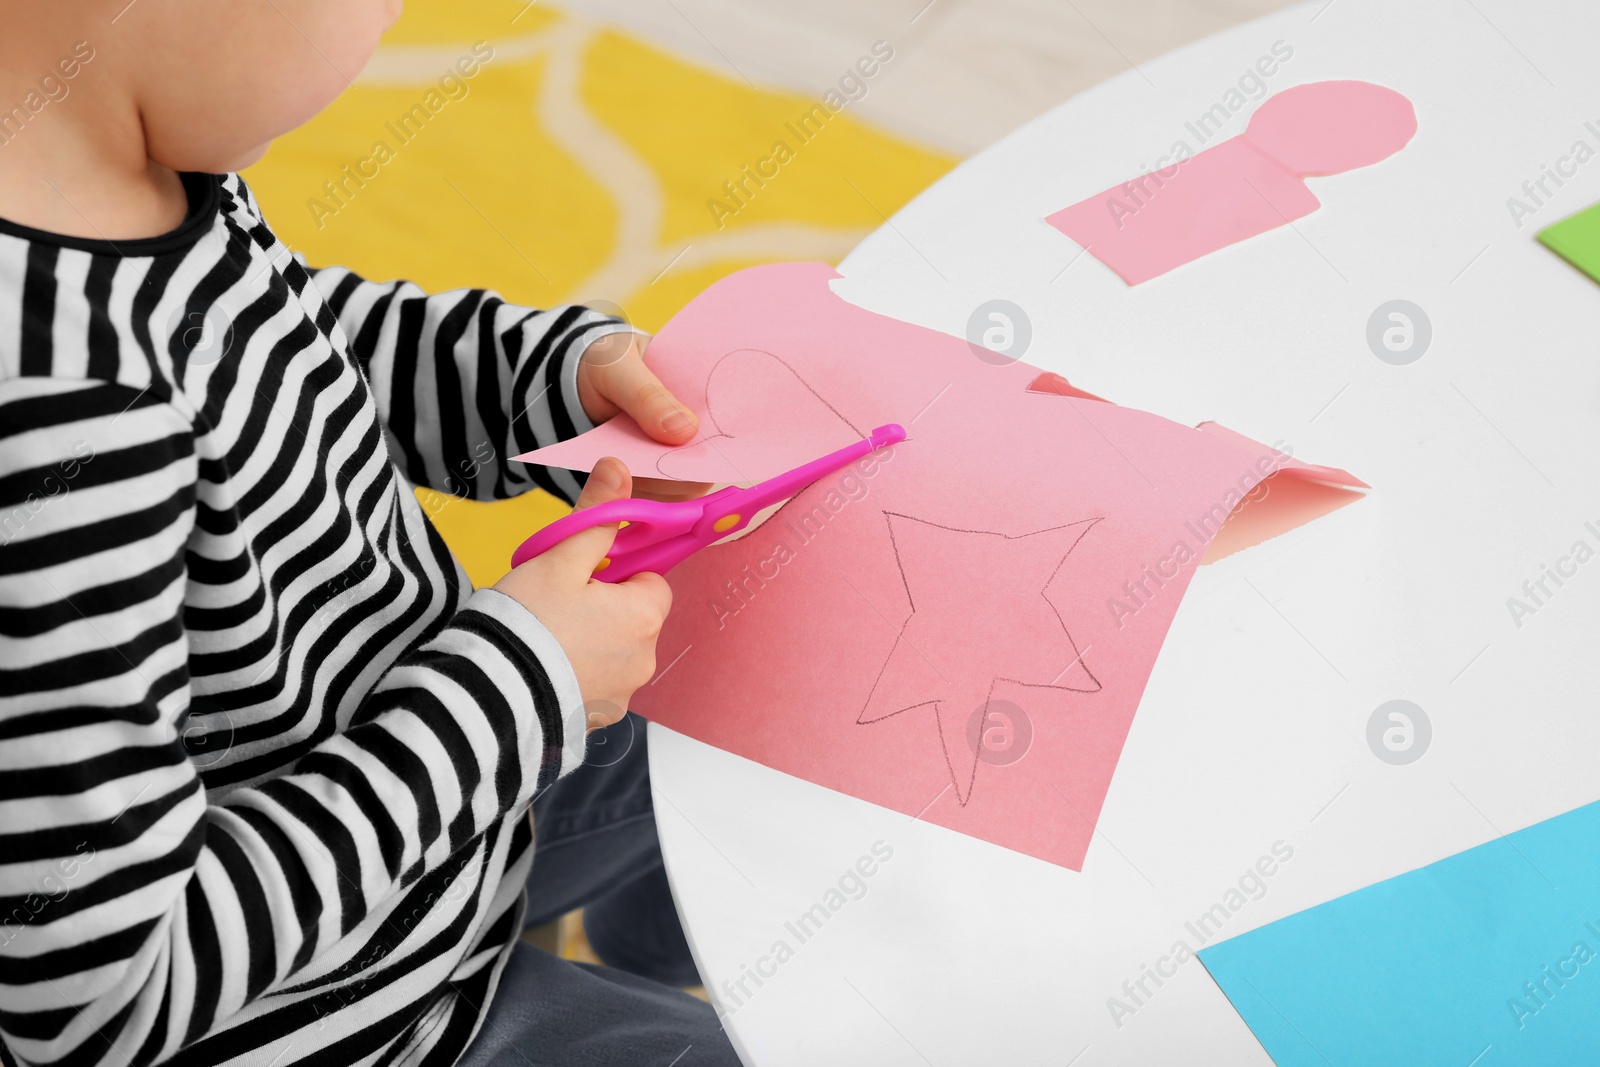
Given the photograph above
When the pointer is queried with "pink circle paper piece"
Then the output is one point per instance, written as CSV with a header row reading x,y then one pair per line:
x,y
1244,186
1332,127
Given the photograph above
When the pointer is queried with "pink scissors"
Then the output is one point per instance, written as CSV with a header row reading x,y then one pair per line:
x,y
660,535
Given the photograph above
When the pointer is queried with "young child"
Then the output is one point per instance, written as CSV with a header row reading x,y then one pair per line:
x,y
265,757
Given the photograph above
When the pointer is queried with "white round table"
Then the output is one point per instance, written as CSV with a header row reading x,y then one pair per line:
x,y
1252,734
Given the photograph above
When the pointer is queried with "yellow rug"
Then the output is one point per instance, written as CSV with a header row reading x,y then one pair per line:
x,y
508,145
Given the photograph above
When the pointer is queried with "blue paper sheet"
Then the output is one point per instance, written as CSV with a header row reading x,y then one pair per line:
x,y
1490,957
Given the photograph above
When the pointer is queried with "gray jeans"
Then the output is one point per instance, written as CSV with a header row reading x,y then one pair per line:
x,y
597,849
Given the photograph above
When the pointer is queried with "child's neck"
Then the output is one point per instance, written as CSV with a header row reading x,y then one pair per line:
x,y
88,178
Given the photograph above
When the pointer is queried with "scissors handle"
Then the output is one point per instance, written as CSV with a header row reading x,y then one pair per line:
x,y
650,522
660,534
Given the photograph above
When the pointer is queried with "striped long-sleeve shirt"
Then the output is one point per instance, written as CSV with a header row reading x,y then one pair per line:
x,y
264,754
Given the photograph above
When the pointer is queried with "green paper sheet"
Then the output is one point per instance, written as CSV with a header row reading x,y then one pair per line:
x,y
1576,239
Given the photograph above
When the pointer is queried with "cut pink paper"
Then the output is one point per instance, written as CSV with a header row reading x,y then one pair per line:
x,y
959,627
1243,186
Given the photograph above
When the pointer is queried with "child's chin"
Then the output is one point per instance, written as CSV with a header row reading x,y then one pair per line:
x,y
245,159
212,162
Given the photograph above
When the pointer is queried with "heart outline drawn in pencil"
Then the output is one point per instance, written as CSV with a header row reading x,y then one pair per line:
x,y
745,391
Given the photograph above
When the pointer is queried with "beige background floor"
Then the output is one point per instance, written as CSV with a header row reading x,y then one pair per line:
x,y
965,72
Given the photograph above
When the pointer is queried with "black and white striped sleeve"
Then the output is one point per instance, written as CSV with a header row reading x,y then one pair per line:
x,y
134,915
464,380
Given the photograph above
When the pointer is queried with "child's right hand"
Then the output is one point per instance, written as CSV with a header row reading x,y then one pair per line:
x,y
607,630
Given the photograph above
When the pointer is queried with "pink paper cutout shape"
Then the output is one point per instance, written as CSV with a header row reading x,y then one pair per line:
x,y
1243,186
1021,546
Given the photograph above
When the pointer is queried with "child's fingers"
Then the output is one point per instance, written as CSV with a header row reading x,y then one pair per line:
x,y
634,388
609,480
652,589
583,551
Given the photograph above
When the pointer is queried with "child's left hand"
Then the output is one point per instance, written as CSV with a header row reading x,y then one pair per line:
x,y
613,378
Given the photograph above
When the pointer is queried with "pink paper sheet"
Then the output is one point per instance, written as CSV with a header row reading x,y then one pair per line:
x,y
1243,186
958,628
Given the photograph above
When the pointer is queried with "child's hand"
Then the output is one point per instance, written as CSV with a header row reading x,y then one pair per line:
x,y
613,377
608,631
